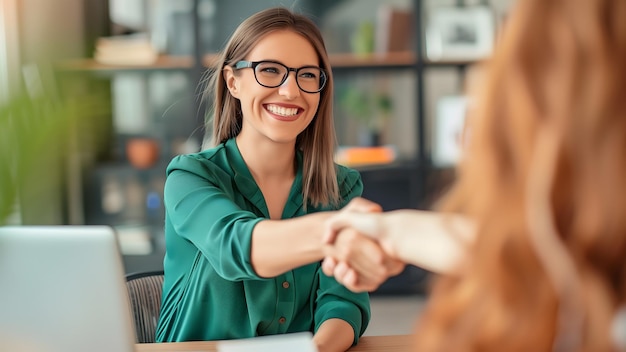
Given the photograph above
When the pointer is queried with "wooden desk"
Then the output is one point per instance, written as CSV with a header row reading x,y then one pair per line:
x,y
390,343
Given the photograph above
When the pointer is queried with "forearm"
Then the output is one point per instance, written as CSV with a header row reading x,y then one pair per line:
x,y
282,245
431,240
334,335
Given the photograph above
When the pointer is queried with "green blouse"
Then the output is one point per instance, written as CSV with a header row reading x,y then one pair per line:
x,y
211,291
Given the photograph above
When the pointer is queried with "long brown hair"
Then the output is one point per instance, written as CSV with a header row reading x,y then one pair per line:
x,y
545,178
318,140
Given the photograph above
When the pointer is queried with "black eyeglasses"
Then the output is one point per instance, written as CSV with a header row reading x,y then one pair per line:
x,y
272,74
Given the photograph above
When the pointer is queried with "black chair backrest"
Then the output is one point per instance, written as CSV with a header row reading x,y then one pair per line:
x,y
144,292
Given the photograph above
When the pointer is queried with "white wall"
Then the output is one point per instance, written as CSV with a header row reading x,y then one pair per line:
x,y
51,30
9,47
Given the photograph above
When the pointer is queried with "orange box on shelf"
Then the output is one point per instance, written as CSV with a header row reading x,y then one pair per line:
x,y
351,156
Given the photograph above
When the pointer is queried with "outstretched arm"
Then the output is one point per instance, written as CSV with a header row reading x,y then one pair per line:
x,y
274,250
434,241
430,240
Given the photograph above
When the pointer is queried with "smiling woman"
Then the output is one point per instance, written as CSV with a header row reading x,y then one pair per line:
x,y
272,84
244,217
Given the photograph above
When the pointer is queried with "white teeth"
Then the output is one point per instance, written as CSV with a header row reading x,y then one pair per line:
x,y
279,110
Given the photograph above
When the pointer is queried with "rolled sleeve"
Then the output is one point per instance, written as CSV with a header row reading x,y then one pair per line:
x,y
336,301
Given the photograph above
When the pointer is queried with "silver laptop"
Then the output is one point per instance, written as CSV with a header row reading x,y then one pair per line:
x,y
62,289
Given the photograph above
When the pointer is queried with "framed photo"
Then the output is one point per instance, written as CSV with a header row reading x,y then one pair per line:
x,y
460,33
448,130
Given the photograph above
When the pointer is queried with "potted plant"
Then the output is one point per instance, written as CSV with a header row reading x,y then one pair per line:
x,y
371,109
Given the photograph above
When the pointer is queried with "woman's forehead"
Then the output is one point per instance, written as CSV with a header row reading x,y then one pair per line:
x,y
286,46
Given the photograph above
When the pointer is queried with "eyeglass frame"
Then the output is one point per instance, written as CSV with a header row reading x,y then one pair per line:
x,y
241,64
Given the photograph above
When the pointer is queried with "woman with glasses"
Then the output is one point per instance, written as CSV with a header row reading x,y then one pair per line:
x,y
244,218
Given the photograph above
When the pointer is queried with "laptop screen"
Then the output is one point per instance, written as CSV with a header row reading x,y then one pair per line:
x,y
62,288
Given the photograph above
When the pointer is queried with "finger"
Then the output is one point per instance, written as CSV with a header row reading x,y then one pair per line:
x,y
369,262
341,269
363,205
351,278
351,281
355,283
394,266
363,255
328,266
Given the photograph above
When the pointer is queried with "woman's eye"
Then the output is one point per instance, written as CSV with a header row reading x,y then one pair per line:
x,y
273,70
309,75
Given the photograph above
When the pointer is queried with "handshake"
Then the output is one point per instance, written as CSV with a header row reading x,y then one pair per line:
x,y
364,246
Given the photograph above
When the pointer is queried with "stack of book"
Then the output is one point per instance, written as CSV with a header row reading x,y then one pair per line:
x,y
134,49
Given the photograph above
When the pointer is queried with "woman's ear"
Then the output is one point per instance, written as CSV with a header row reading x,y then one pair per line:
x,y
232,83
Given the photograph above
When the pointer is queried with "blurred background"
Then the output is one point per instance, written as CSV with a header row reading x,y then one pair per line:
x,y
98,95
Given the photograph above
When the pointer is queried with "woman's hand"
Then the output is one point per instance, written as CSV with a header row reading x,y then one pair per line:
x,y
356,261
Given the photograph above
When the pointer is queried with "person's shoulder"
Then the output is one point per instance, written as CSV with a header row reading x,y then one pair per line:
x,y
347,177
200,161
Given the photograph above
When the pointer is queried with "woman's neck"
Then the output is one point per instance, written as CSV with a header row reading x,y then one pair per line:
x,y
268,159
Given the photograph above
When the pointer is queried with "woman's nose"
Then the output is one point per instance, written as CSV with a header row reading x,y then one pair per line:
x,y
289,88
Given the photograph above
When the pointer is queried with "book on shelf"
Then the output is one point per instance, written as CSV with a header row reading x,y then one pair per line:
x,y
132,49
394,28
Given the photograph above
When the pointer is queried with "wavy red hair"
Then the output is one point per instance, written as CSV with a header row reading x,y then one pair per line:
x,y
559,71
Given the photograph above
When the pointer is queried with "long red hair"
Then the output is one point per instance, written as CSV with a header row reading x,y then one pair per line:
x,y
544,176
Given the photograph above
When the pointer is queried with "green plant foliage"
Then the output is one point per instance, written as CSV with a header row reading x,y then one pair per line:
x,y
371,109
35,126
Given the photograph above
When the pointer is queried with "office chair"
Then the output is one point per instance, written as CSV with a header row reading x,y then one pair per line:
x,y
144,292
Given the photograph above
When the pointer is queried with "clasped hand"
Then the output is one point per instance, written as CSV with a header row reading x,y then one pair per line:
x,y
357,253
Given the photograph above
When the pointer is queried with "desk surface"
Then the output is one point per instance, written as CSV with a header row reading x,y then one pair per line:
x,y
391,343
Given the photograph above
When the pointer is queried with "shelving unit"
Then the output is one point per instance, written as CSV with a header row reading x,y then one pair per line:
x,y
394,60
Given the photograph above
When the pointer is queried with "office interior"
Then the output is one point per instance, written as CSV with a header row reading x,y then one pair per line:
x,y
130,72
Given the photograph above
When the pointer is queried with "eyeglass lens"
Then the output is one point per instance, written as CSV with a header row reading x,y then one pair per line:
x,y
272,74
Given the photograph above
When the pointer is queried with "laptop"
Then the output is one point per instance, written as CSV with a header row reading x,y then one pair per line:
x,y
62,289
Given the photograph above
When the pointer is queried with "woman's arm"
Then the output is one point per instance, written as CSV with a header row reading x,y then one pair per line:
x,y
334,335
275,251
281,245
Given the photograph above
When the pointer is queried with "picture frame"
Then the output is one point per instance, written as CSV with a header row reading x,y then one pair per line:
x,y
449,130
460,33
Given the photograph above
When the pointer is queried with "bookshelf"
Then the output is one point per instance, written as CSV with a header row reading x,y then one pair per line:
x,y
393,60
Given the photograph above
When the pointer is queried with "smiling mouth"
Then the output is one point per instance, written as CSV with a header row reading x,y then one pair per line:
x,y
282,111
